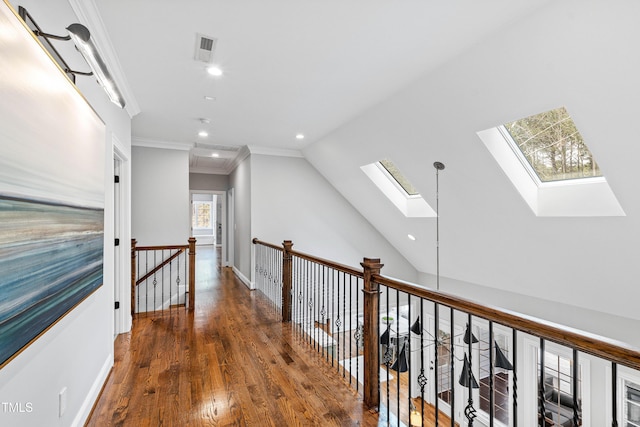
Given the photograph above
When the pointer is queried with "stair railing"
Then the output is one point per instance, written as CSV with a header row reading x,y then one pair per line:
x,y
162,277
403,344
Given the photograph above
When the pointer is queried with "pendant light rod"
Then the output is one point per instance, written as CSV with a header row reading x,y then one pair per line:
x,y
439,166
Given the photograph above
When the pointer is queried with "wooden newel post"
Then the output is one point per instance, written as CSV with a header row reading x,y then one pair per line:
x,y
133,276
287,278
192,272
371,333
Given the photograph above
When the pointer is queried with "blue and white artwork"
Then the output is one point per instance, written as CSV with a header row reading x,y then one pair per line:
x,y
52,158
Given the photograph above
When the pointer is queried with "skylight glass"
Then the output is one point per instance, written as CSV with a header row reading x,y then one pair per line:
x,y
398,177
553,147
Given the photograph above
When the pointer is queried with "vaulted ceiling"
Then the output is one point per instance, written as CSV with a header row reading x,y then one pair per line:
x,y
289,66
413,81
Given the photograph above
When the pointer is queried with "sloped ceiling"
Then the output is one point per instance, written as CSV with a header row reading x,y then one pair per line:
x,y
570,53
289,66
413,81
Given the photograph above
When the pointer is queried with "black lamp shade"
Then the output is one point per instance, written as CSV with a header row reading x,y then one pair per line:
x,y
466,377
469,336
400,365
384,338
501,360
416,328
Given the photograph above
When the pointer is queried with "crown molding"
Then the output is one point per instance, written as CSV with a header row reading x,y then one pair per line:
x,y
88,15
242,154
167,145
209,171
269,151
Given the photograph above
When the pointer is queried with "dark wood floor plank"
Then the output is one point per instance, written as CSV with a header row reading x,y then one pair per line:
x,y
231,362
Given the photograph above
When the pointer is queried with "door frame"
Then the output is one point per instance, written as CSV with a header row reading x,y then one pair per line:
x,y
122,266
231,226
222,195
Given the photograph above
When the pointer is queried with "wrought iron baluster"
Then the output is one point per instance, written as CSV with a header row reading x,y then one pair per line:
x,y
422,379
357,336
436,335
409,402
514,363
452,356
614,394
321,310
397,349
344,314
387,353
155,281
575,378
308,302
491,383
469,410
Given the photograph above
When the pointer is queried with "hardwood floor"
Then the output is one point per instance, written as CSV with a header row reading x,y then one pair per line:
x,y
231,362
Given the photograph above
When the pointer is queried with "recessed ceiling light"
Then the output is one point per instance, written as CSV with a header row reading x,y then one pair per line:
x,y
215,155
214,70
205,121
299,136
411,237
209,98
203,134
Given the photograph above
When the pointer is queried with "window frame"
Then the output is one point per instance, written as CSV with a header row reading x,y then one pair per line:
x,y
583,197
624,375
483,416
529,374
194,214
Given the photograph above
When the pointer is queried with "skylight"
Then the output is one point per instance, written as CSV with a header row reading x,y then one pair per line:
x,y
398,177
386,176
548,162
552,146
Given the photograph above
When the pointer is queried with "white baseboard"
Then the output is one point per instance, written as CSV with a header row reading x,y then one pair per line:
x,y
244,279
94,393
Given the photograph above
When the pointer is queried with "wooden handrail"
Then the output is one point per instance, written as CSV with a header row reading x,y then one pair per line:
x,y
586,342
256,241
159,266
328,263
160,248
337,266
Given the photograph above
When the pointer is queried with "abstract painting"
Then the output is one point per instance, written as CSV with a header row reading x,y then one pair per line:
x,y
52,159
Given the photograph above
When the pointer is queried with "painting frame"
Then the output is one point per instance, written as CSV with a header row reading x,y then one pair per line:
x,y
52,191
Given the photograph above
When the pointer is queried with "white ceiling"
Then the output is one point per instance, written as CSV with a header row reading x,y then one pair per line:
x,y
290,66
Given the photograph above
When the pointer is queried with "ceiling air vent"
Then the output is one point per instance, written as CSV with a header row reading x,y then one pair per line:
x,y
205,46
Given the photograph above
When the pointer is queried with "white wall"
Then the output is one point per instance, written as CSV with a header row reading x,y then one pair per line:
x,y
240,223
77,352
292,201
609,325
210,182
568,53
160,196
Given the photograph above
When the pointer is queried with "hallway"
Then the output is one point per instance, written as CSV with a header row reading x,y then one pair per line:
x,y
230,362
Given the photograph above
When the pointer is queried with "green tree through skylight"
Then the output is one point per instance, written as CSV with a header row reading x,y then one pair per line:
x,y
400,179
552,145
